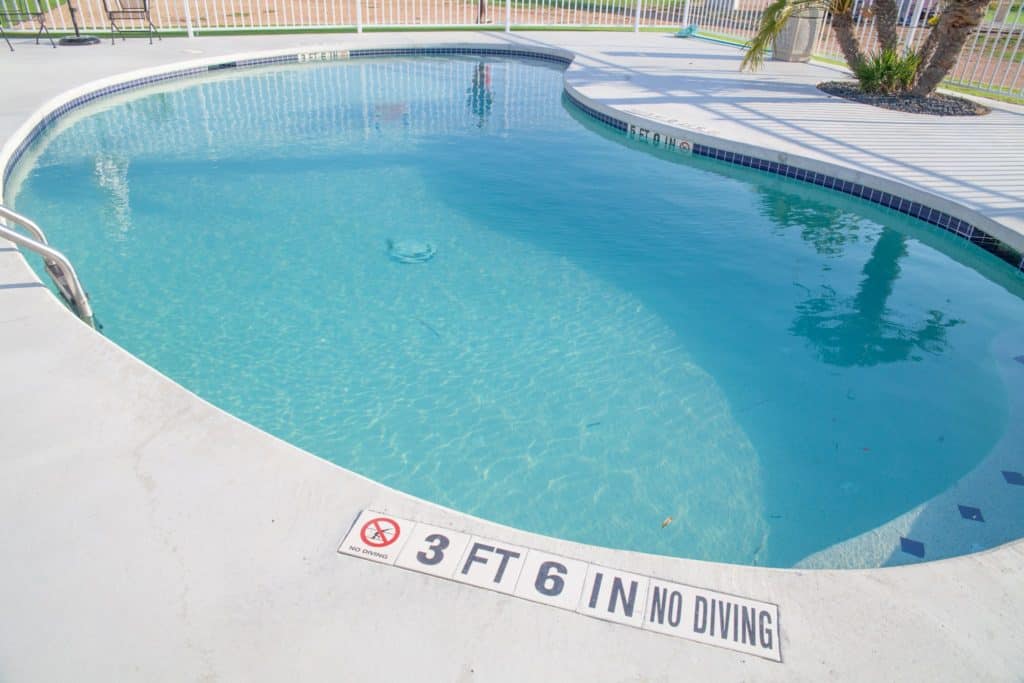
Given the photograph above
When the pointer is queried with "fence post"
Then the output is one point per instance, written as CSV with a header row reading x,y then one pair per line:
x,y
686,13
918,8
1002,11
824,26
508,15
359,16
188,20
636,19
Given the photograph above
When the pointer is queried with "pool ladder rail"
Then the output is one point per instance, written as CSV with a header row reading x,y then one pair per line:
x,y
57,264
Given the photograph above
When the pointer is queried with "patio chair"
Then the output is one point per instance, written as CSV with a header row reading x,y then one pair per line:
x,y
118,10
16,11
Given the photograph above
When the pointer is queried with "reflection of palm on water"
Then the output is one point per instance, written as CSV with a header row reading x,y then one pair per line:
x,y
865,334
858,331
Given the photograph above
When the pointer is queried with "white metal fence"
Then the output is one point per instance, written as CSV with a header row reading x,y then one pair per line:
x,y
991,61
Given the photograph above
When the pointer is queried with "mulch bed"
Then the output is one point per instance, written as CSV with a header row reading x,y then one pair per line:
x,y
935,104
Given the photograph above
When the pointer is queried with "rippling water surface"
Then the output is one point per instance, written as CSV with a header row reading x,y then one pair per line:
x,y
602,338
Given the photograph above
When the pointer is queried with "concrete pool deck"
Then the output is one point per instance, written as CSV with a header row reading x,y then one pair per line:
x,y
150,536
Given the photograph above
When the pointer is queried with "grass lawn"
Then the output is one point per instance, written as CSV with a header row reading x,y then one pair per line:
x,y
1014,16
31,5
1010,48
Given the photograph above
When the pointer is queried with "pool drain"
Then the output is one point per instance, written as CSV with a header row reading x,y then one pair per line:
x,y
411,251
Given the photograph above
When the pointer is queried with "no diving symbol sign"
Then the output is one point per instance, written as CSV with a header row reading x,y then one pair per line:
x,y
644,602
380,532
376,537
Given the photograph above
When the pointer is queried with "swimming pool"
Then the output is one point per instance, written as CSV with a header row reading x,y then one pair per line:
x,y
601,342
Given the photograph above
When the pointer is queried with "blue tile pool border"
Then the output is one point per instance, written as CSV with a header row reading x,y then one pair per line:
x,y
945,221
912,547
484,51
959,227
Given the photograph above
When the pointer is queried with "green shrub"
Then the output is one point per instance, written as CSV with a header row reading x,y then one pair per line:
x,y
887,72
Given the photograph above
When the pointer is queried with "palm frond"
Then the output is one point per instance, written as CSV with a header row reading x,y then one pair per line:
x,y
846,7
773,20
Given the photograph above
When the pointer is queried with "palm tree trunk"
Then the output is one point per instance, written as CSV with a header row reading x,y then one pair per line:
x,y
886,16
927,49
942,47
843,25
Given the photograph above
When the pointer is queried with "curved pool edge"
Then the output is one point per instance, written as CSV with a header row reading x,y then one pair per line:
x,y
963,222
214,562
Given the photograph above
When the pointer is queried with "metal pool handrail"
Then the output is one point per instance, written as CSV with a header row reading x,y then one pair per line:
x,y
57,265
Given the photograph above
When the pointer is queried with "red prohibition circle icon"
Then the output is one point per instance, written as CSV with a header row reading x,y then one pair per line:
x,y
380,532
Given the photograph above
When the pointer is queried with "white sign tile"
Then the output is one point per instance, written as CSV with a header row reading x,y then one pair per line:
x,y
552,579
614,595
665,607
714,618
491,564
376,536
433,550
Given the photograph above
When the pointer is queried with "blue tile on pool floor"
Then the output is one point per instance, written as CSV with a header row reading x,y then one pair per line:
x,y
1015,478
912,547
972,513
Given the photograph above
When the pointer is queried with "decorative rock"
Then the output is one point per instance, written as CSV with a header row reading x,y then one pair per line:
x,y
935,104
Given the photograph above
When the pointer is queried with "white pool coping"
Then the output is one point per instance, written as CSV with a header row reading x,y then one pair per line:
x,y
151,536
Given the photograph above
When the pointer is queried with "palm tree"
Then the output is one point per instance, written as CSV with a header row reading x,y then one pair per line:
x,y
942,46
934,60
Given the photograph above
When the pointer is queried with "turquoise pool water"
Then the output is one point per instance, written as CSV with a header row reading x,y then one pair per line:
x,y
592,337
